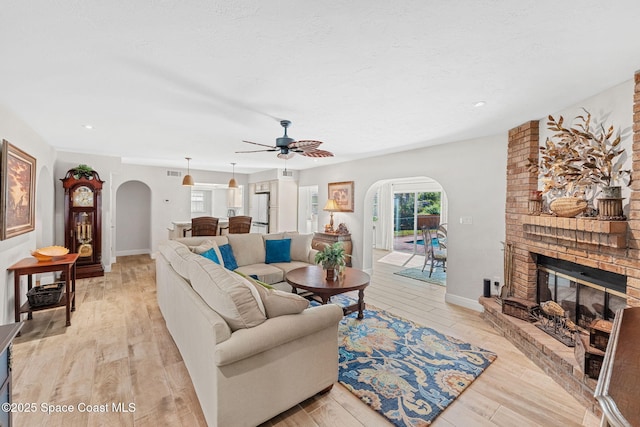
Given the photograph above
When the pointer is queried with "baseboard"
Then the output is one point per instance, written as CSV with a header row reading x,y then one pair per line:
x,y
463,302
133,252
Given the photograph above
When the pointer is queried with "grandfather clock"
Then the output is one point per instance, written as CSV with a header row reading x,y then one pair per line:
x,y
83,219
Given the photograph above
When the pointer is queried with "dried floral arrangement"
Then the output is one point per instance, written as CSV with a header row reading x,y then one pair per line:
x,y
580,158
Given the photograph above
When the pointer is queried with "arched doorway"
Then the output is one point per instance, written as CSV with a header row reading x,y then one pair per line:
x,y
385,230
133,219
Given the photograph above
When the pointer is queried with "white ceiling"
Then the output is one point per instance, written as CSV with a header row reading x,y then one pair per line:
x,y
160,80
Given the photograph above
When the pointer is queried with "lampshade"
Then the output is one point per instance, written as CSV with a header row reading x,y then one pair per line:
x,y
331,206
232,181
187,181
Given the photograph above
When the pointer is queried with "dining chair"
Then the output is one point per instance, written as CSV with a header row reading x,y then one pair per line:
x,y
433,255
203,226
239,224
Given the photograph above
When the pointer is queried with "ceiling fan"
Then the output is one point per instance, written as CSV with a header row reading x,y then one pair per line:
x,y
287,146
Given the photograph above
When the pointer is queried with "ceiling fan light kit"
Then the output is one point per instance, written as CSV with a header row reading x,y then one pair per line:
x,y
287,147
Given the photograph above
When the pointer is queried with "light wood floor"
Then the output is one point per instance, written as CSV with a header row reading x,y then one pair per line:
x,y
117,350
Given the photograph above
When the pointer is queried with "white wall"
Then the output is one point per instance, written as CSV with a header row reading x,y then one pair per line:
x,y
133,210
613,107
472,173
14,130
170,201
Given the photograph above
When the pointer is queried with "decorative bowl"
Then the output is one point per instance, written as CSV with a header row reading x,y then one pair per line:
x,y
49,252
568,207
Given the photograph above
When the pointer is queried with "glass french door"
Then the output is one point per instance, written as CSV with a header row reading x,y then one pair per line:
x,y
411,212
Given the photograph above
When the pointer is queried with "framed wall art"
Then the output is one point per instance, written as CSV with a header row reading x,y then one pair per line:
x,y
18,191
342,193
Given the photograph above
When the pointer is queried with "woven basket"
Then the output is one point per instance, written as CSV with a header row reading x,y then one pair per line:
x,y
568,207
45,295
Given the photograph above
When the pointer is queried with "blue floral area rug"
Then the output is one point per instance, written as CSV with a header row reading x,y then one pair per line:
x,y
438,277
407,373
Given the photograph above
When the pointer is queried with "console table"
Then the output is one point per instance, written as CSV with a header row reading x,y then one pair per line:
x,y
320,240
30,266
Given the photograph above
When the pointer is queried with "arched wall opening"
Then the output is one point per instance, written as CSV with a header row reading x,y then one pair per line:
x,y
133,213
378,224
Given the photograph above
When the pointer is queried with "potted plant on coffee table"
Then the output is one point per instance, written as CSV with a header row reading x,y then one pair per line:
x,y
332,257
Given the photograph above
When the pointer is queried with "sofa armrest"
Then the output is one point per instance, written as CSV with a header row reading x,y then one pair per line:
x,y
276,331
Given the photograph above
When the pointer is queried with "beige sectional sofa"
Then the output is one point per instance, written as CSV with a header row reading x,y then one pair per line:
x,y
251,352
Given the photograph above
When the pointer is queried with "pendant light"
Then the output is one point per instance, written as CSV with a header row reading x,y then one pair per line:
x,y
232,181
187,181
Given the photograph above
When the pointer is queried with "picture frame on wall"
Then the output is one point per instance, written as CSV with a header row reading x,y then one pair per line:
x,y
342,193
17,201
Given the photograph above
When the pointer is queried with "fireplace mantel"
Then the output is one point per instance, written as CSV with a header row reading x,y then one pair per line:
x,y
581,231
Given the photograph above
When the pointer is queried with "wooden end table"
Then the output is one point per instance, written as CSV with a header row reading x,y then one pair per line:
x,y
314,279
30,266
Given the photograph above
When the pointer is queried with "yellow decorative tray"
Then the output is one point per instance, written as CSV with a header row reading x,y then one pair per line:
x,y
49,252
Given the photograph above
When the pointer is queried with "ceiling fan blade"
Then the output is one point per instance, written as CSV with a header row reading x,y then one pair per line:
x,y
256,151
287,156
317,153
262,145
305,144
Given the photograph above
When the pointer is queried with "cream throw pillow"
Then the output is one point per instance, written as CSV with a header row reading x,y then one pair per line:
x,y
279,303
225,293
300,246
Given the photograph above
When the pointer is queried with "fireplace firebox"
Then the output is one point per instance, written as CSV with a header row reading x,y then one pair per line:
x,y
585,294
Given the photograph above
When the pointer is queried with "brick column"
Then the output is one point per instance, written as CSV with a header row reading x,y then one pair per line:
x,y
523,144
633,255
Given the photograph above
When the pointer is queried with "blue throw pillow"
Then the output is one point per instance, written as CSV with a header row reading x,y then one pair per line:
x,y
212,255
228,258
278,251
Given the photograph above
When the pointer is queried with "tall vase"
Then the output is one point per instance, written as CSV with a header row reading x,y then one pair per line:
x,y
331,274
610,204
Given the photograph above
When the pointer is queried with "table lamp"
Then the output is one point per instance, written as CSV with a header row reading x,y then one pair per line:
x,y
332,207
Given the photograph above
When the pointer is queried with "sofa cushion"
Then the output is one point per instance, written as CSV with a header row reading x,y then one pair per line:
x,y
248,248
265,272
178,256
279,303
277,250
288,266
300,246
193,242
225,293
228,257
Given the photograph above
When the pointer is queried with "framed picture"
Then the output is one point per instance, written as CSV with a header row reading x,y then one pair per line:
x,y
342,193
18,191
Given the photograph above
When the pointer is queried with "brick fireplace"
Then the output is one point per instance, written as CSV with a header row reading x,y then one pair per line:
x,y
610,246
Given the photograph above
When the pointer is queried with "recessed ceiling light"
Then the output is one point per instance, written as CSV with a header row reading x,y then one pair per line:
x,y
480,104
87,126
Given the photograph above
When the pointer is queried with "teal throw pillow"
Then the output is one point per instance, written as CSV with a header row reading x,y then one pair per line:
x,y
278,251
212,255
227,257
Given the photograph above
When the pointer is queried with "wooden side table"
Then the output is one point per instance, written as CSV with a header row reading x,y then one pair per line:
x,y
320,240
30,266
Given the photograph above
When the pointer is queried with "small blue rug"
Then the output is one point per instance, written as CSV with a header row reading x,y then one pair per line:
x,y
406,372
439,277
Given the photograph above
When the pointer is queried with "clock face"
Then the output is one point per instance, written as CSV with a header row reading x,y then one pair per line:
x,y
83,196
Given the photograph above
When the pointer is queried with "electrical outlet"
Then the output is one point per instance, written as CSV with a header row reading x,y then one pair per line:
x,y
467,220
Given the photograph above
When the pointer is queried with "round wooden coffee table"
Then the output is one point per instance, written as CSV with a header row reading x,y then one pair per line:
x,y
314,279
